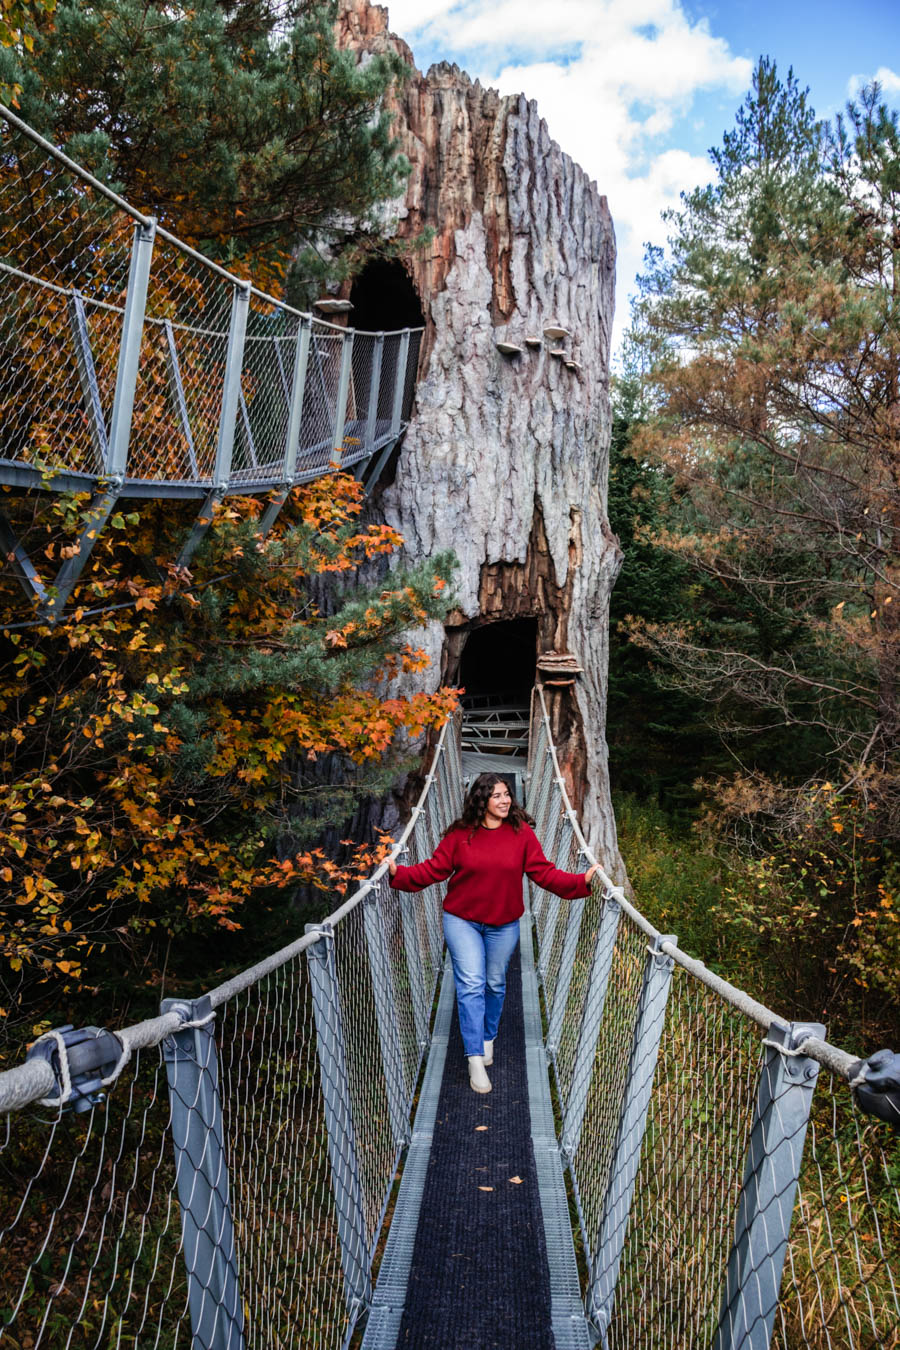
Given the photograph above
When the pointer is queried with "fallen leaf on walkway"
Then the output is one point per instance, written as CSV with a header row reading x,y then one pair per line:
x,y
480,1127
485,1188
516,1181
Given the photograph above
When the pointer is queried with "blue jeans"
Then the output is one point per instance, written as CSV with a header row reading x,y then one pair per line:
x,y
480,953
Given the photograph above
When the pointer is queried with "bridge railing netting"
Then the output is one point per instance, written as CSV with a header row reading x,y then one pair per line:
x,y
708,1149
127,356
231,1188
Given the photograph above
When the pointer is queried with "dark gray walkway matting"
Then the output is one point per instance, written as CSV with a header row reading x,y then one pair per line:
x,y
491,1264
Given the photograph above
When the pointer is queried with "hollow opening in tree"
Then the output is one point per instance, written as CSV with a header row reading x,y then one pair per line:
x,y
496,668
384,298
498,662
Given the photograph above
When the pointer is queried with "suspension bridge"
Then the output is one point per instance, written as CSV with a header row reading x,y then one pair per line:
x,y
294,1159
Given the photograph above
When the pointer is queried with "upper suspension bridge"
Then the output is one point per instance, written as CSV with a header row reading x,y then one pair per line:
x,y
666,1162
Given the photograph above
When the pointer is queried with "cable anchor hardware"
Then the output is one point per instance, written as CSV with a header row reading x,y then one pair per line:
x,y
876,1085
83,1061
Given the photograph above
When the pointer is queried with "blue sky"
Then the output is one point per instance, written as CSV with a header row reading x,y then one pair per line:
x,y
637,90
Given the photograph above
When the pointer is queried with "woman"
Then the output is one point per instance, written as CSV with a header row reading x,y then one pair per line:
x,y
486,853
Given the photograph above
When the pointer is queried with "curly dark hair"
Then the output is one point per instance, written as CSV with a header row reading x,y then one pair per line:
x,y
475,806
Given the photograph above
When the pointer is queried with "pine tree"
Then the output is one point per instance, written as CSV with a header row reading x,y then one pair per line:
x,y
772,337
242,126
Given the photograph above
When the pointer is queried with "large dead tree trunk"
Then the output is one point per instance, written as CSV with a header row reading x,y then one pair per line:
x,y
506,457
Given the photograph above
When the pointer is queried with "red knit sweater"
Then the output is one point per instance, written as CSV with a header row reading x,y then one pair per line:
x,y
486,871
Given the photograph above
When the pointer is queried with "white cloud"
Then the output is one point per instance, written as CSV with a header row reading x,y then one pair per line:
x,y
611,77
887,78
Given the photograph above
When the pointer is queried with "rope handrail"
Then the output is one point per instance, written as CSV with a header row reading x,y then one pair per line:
x,y
830,1056
34,1080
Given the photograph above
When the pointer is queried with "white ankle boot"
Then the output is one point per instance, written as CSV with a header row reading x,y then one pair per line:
x,y
488,1054
478,1079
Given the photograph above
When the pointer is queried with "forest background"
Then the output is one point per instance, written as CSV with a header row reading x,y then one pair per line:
x,y
754,486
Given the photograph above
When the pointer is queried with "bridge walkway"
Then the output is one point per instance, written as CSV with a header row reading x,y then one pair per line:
x,y
480,1254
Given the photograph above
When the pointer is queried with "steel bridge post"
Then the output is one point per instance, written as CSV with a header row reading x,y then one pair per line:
x,y
340,412
231,392
231,384
543,777
591,1018
626,1157
295,419
104,500
414,966
557,1011
400,385
130,349
342,1149
201,1173
386,1015
374,391
771,1173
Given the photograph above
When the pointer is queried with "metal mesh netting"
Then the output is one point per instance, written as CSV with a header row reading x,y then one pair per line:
x,y
319,398
359,397
66,250
178,396
232,1187
64,259
711,1144
682,1219
412,367
840,1287
265,399
91,1238
283,1204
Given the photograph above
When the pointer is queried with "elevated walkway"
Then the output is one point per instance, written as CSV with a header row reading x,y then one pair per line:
x,y
480,1252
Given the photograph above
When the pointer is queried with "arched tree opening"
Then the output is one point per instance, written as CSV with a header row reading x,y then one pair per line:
x,y
384,298
496,668
498,662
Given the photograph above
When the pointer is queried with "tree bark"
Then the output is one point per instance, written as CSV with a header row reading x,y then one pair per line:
x,y
505,459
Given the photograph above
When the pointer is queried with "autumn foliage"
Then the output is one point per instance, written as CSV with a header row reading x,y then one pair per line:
x,y
161,748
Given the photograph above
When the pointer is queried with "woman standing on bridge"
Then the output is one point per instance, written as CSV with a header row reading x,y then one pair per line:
x,y
485,854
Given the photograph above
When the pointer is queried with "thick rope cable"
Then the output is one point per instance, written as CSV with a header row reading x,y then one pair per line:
x,y
831,1057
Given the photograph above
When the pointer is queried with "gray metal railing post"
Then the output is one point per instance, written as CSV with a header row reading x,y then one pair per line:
x,y
298,389
433,906
295,420
548,836
231,397
342,1150
591,1018
386,1015
408,909
87,378
626,1156
340,412
130,349
557,1010
374,391
201,1173
766,1203
400,386
231,384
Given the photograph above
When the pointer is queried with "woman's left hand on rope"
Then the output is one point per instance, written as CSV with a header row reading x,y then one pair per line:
x,y
589,874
